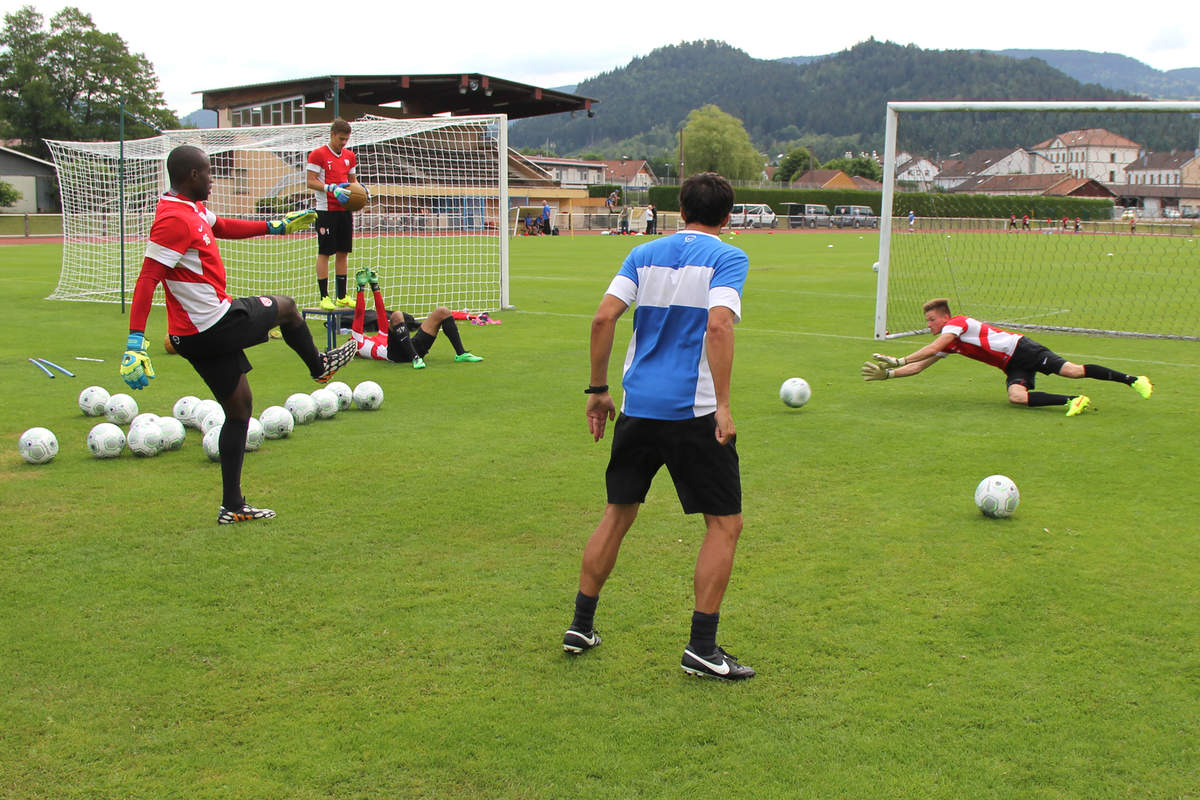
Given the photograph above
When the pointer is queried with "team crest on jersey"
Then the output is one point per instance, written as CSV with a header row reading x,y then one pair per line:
x,y
346,161
266,301
689,238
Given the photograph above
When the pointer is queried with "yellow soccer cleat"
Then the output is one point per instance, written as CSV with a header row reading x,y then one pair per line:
x,y
327,304
346,302
1078,405
1143,386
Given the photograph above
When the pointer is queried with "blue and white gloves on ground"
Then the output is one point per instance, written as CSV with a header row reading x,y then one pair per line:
x,y
136,369
292,222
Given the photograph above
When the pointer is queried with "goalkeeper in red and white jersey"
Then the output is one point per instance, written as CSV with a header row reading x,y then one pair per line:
x,y
404,340
1017,355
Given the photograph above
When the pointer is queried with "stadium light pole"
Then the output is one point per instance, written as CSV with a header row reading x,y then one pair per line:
x,y
121,185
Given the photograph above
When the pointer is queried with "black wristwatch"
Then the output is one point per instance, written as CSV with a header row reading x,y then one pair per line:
x,y
596,389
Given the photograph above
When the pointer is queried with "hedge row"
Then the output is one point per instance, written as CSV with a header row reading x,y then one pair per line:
x,y
605,189
923,204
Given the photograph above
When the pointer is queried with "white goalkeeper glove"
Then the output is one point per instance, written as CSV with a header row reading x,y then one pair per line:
x,y
889,360
875,372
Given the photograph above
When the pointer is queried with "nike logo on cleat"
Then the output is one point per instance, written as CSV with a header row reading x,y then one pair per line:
x,y
721,668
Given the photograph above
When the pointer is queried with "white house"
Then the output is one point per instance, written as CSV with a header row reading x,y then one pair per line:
x,y
571,172
1090,153
993,161
915,169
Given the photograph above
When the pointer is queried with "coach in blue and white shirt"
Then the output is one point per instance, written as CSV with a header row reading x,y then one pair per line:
x,y
687,289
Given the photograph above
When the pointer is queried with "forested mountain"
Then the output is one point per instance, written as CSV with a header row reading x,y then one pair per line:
x,y
835,102
1116,71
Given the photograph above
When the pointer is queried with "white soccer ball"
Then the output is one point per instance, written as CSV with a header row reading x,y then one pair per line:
x,y
254,435
184,408
145,439
120,409
368,395
277,422
213,420
37,445
301,407
202,409
92,400
326,403
212,444
997,496
795,392
173,433
106,440
875,266
143,418
345,394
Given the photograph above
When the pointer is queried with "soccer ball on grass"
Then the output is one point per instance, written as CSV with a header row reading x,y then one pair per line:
x,y
795,392
301,407
173,433
145,439
254,435
326,403
106,440
277,422
368,395
120,409
92,400
212,444
997,496
344,394
37,445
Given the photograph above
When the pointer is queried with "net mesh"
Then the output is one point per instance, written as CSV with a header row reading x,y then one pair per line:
x,y
433,227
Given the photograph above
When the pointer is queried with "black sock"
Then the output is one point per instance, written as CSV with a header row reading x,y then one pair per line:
x,y
1105,374
299,338
450,328
323,285
401,342
341,285
585,612
232,442
704,633
1037,399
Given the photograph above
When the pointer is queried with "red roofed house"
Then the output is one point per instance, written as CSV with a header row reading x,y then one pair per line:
x,y
1055,184
630,172
992,161
1090,153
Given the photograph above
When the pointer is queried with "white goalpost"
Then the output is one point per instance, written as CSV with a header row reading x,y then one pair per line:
x,y
1101,274
435,227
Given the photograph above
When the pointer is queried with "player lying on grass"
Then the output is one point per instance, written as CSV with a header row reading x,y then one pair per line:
x,y
207,326
406,340
1019,356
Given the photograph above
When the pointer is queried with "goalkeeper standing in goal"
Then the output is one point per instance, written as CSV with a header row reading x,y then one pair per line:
x,y
207,326
1019,356
330,171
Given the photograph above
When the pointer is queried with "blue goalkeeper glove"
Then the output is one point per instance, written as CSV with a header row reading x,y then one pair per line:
x,y
339,191
292,222
136,369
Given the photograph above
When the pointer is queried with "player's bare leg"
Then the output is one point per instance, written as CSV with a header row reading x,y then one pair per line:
x,y
599,558
442,318
703,656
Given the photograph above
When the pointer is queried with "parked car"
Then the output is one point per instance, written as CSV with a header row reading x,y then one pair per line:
x,y
1171,213
1129,213
855,217
751,215
808,215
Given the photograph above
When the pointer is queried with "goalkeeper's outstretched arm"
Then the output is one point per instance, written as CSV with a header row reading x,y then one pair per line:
x,y
876,371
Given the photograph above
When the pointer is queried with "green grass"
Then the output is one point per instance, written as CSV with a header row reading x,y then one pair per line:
x,y
396,631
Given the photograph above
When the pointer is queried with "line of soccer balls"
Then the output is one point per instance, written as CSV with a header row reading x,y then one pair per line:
x,y
150,434
996,495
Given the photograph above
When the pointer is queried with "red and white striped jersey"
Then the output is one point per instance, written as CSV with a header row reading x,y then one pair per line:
x,y
371,346
980,341
182,240
332,167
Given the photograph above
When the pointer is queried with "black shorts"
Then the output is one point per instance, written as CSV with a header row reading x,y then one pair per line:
x,y
217,353
1030,358
705,472
335,232
421,341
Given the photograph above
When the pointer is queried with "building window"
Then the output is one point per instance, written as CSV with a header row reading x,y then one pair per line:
x,y
289,111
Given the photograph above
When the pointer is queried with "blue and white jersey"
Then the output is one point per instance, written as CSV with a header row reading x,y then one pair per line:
x,y
674,282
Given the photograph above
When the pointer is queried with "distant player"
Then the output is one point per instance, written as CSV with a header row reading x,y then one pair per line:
x,y
208,327
1025,223
1018,356
1012,221
912,218
330,171
406,340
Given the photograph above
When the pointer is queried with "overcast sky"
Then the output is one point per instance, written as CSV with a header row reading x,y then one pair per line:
x,y
218,43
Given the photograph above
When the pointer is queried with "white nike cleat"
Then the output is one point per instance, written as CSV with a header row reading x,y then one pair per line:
x,y
575,642
717,665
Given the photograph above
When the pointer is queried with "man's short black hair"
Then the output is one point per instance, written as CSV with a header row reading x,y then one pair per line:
x,y
182,160
705,198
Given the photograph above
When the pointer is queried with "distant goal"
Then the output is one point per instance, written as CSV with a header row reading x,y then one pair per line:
x,y
1013,259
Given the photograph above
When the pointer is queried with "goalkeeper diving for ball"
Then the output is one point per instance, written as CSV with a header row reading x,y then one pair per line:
x,y
1019,356
208,327
406,340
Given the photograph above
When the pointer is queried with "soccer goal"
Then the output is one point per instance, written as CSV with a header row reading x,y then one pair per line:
x,y
1044,230
435,227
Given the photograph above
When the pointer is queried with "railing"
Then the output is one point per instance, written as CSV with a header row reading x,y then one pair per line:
x,y
25,226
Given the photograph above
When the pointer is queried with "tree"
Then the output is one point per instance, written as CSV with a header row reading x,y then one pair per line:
x,y
864,166
67,82
714,141
8,194
796,162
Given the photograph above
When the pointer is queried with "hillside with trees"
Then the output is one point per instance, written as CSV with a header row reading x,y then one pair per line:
x,y
833,103
1116,71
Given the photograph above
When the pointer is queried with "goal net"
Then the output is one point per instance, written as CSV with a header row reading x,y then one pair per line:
x,y
434,228
1065,216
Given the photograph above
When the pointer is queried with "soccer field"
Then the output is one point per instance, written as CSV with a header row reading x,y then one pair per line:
x,y
396,631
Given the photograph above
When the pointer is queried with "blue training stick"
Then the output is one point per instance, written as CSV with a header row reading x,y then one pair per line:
x,y
38,364
50,363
